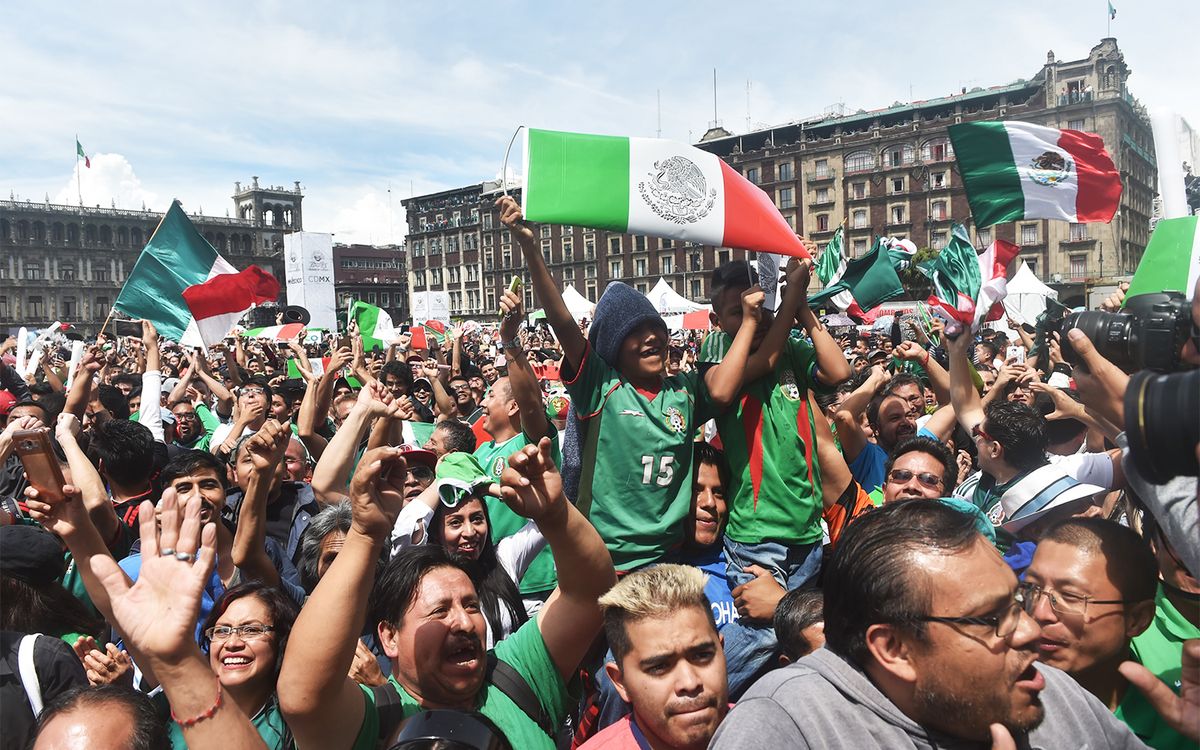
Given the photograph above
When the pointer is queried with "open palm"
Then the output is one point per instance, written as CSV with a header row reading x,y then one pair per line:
x,y
158,613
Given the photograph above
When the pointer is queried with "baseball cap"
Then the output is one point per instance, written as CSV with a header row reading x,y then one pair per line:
x,y
169,384
415,454
31,554
7,402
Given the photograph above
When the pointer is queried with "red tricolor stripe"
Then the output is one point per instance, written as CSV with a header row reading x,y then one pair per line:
x,y
752,221
752,426
1099,181
231,293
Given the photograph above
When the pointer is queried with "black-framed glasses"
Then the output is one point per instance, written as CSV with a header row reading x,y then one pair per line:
x,y
251,391
900,476
186,415
1004,622
251,631
1067,604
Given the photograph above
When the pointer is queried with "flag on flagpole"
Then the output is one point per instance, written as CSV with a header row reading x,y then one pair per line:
x,y
1017,170
374,325
219,303
969,286
871,280
1171,262
175,258
1112,11
649,186
82,155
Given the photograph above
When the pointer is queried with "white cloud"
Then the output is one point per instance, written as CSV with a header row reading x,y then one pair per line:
x,y
109,181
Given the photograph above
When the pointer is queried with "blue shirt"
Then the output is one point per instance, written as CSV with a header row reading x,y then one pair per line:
x,y
716,588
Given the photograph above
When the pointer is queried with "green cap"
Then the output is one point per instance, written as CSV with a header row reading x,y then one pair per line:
x,y
459,476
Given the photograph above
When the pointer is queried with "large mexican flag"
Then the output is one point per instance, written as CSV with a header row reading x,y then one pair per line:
x,y
1017,170
649,186
176,257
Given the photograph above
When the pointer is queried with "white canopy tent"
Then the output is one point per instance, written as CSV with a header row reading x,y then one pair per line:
x,y
669,302
1027,295
577,304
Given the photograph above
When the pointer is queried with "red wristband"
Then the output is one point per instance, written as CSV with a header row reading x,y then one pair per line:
x,y
185,723
925,359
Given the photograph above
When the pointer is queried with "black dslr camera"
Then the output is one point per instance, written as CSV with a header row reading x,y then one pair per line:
x,y
1148,334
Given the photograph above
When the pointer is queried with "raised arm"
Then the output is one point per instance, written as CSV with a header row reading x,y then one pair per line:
x,y
81,389
849,417
569,336
939,379
724,381
332,472
306,422
521,378
571,618
84,476
967,406
322,705
835,474
264,451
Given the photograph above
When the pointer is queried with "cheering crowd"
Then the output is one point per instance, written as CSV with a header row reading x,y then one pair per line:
x,y
601,536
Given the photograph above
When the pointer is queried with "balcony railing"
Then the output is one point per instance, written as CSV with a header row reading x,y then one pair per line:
x,y
820,175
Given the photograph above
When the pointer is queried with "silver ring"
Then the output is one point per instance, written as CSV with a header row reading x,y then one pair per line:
x,y
185,557
166,552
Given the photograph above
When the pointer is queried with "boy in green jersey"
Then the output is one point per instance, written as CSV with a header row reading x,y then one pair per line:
x,y
768,436
627,458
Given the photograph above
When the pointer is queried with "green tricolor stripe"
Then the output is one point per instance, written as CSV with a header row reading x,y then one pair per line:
x,y
572,178
989,172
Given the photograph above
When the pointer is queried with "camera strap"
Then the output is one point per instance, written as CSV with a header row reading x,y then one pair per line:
x,y
501,674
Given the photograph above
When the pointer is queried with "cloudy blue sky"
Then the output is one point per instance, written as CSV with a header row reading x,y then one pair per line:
x,y
180,100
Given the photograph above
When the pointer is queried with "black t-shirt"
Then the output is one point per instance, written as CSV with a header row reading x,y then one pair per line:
x,y
58,670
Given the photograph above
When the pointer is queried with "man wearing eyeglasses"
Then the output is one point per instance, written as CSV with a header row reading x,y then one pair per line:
x,y
1093,584
928,644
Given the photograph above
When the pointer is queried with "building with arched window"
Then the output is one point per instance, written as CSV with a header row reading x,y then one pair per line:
x,y
68,263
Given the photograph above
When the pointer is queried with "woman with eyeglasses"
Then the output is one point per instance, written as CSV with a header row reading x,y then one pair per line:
x,y
452,512
246,635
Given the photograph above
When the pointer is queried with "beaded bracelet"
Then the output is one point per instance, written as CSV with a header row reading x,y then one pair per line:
x,y
185,723
925,359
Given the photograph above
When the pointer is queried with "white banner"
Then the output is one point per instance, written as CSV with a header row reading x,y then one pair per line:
x,y
308,268
430,306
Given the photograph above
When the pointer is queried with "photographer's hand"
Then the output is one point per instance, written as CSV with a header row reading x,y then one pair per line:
x,y
1100,383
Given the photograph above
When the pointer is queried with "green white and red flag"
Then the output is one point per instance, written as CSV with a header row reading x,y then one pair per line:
x,y
285,332
1018,170
220,302
968,286
176,257
79,152
649,186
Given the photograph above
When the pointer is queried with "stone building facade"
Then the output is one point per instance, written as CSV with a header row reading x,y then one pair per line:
x,y
68,263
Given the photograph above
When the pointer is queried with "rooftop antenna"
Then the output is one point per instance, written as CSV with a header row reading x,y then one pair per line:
x,y
714,97
747,105
391,229
658,93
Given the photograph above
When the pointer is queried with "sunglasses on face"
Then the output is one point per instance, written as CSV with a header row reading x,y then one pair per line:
x,y
901,476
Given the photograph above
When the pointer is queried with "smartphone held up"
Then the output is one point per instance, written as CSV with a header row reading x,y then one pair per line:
x,y
36,453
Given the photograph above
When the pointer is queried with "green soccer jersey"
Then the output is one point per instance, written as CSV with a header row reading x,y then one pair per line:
x,y
636,476
767,434
493,457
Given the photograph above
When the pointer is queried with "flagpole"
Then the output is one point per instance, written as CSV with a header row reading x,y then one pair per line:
x,y
78,185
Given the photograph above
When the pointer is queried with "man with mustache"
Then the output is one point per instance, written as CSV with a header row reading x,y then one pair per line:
x,y
668,661
928,644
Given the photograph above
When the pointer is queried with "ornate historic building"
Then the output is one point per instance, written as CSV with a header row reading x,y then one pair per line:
x,y
377,275
67,263
889,171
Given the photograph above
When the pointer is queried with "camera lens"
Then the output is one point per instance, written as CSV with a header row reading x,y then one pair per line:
x,y
1171,403
1108,332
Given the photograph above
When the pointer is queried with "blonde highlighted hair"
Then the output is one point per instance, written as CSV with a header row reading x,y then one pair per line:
x,y
655,592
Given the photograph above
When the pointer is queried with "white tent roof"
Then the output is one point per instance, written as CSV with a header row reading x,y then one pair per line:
x,y
669,302
1027,295
577,303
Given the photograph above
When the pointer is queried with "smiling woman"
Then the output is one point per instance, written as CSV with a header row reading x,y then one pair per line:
x,y
246,635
